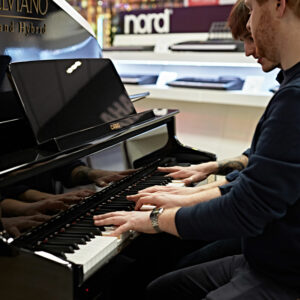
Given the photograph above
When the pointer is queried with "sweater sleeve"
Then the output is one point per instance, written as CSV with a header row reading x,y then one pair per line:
x,y
266,188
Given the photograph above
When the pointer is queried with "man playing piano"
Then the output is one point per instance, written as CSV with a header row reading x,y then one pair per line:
x,y
263,207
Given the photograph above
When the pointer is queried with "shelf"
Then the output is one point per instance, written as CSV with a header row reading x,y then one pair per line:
x,y
202,96
231,59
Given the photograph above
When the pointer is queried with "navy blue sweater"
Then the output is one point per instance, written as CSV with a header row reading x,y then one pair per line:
x,y
264,206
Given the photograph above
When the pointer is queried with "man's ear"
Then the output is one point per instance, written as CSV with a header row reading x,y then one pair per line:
x,y
280,7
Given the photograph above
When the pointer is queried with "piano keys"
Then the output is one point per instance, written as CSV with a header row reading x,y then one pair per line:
x,y
72,235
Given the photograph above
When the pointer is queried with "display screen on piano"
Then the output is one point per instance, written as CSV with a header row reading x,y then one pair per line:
x,y
60,258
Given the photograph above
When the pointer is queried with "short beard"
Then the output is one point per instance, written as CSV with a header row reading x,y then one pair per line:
x,y
265,37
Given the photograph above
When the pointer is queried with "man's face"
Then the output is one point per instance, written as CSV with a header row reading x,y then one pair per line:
x,y
262,26
250,49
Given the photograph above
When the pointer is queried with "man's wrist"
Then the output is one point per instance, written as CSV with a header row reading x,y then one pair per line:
x,y
209,167
167,221
155,213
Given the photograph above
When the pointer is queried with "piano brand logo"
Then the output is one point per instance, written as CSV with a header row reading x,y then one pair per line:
x,y
35,7
23,10
115,126
146,23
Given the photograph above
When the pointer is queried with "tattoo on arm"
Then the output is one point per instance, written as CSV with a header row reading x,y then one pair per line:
x,y
227,166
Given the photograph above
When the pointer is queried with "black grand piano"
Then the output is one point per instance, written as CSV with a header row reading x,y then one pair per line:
x,y
31,267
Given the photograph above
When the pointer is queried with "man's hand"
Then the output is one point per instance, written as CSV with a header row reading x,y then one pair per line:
x,y
16,225
169,189
159,199
191,174
169,200
132,220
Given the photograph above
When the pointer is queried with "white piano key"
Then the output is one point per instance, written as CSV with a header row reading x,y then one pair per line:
x,y
176,183
94,254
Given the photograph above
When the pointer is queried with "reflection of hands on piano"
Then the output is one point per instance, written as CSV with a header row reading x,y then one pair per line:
x,y
71,197
104,177
14,208
126,220
16,225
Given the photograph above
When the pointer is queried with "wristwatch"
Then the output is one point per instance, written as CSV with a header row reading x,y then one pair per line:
x,y
155,213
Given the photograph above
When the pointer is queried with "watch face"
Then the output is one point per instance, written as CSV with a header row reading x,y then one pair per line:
x,y
160,210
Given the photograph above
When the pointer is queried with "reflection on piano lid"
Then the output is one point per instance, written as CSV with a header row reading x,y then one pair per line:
x,y
209,45
219,83
138,79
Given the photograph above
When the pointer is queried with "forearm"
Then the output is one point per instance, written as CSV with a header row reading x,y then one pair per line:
x,y
211,185
166,221
208,167
228,165
203,196
33,196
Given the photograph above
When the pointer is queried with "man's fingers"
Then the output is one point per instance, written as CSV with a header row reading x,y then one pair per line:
x,y
120,229
109,215
168,169
136,197
115,220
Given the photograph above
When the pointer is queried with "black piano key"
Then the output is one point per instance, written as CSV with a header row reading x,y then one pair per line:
x,y
80,230
72,239
62,242
92,229
82,235
59,248
56,252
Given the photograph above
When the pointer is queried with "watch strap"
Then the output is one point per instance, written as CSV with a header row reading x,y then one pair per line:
x,y
155,213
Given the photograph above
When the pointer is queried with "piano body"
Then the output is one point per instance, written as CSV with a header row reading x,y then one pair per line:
x,y
61,259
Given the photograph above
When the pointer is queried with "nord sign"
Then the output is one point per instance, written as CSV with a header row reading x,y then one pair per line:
x,y
148,23
175,20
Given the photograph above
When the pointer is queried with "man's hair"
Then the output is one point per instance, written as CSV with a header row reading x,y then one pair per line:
x,y
238,19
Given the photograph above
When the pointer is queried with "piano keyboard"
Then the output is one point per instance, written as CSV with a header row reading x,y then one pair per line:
x,y
72,235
